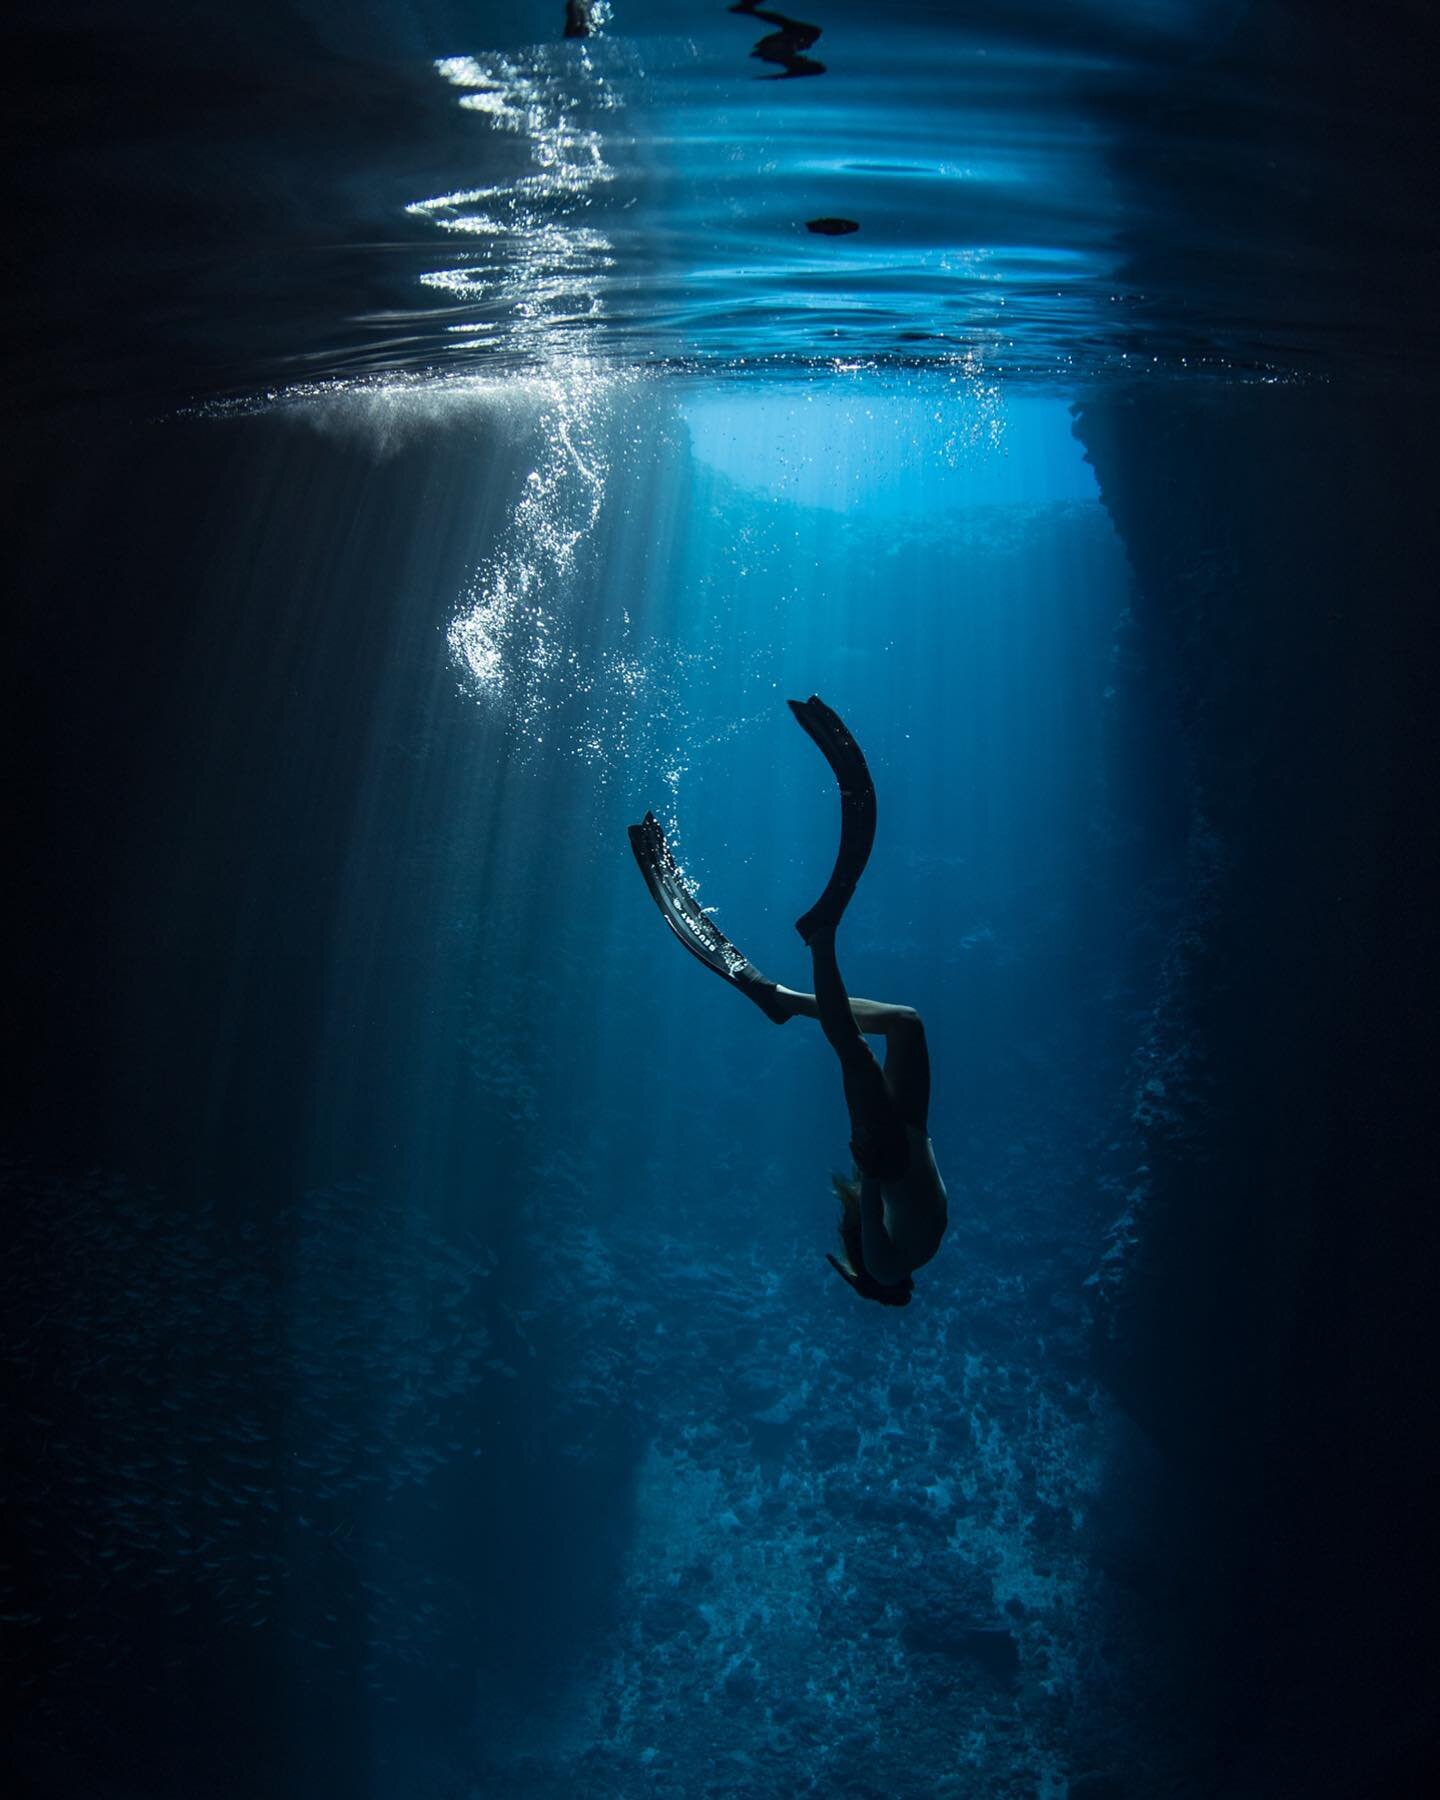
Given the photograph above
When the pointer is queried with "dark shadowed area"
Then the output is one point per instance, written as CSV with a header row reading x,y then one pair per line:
x,y
436,440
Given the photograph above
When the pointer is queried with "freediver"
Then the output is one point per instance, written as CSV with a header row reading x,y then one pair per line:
x,y
893,1210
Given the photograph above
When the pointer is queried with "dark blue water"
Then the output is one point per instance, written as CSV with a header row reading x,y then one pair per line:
x,y
435,442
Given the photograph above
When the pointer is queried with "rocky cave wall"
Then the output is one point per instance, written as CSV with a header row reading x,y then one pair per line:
x,y
1266,1305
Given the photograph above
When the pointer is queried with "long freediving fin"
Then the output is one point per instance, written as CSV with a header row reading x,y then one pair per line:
x,y
694,927
857,811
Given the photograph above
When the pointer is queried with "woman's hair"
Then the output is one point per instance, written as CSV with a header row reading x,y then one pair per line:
x,y
847,1191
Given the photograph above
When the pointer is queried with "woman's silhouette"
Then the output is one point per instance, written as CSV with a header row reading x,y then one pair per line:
x,y
894,1211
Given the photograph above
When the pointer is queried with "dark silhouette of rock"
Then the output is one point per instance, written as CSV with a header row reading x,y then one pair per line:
x,y
1267,1309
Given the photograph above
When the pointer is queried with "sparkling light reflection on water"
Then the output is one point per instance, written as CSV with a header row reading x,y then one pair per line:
x,y
661,191
539,269
637,207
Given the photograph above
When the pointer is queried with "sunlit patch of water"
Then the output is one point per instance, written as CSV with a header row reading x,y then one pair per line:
x,y
504,635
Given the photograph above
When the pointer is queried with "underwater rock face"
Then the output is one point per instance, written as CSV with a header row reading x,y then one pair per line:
x,y
1266,1305
825,1607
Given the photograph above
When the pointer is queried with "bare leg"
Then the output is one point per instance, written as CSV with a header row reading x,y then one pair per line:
x,y
876,1018
906,1075
873,1114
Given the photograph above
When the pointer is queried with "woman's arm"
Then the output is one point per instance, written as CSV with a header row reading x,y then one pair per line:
x,y
882,1260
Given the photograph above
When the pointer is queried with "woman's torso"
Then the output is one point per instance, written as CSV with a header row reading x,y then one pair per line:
x,y
916,1205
